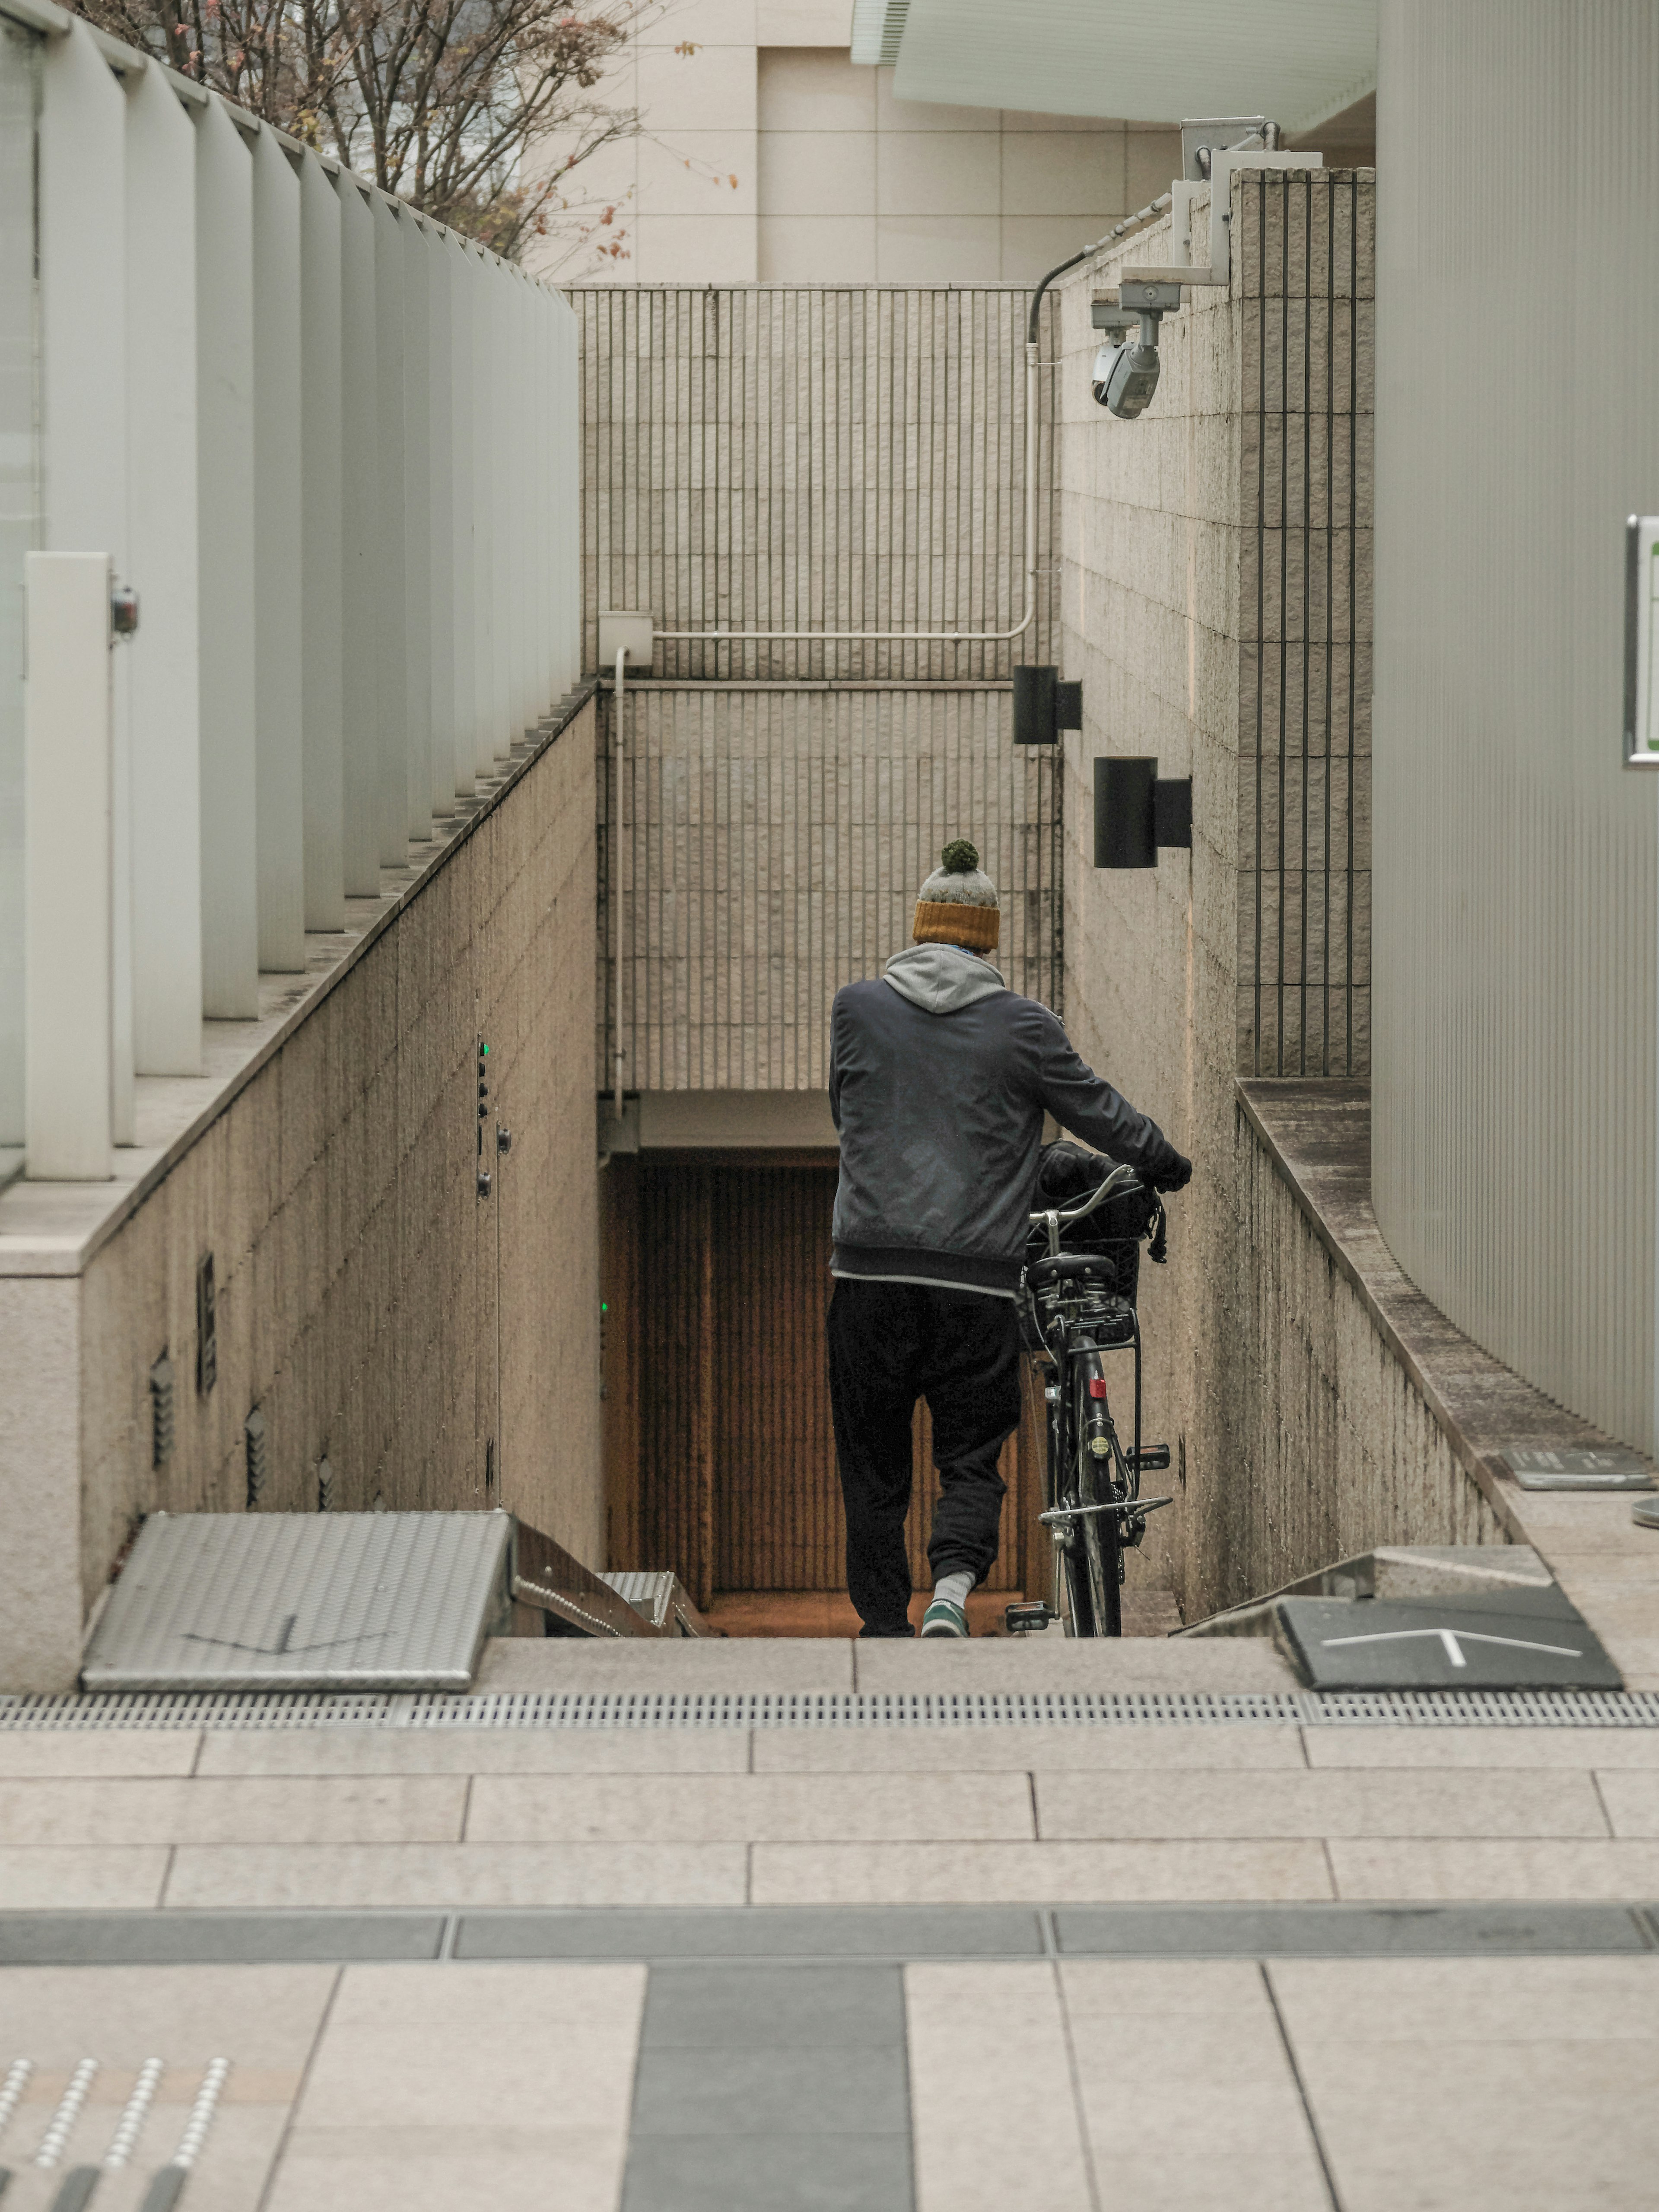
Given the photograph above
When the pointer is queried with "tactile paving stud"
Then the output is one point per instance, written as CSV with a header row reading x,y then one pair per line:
x,y
132,2122
56,2139
166,2185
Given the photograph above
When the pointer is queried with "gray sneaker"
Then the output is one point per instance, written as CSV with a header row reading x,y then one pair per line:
x,y
944,1619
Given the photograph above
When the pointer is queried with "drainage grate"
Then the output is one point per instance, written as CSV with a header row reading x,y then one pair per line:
x,y
840,1709
676,1709
179,1709
1485,1708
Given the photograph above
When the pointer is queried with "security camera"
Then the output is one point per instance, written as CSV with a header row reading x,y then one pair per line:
x,y
1125,378
1126,368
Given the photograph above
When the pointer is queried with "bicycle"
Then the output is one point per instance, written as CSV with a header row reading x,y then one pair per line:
x,y
1076,1307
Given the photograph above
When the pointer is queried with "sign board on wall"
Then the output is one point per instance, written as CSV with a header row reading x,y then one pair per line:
x,y
1641,743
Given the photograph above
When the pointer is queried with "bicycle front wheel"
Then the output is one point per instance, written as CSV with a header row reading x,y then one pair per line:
x,y
1101,1557
1080,1585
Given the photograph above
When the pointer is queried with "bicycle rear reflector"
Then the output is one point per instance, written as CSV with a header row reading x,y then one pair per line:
x,y
1097,1386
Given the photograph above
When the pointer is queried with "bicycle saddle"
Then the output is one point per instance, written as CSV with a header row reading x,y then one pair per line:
x,y
1071,1266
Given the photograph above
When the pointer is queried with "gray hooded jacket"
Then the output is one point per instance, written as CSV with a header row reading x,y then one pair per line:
x,y
940,1076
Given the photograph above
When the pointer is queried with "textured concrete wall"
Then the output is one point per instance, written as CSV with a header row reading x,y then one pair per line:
x,y
40,1610
1335,1450
1214,601
359,1278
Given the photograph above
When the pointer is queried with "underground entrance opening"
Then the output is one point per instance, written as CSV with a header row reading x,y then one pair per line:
x,y
719,1459
720,1454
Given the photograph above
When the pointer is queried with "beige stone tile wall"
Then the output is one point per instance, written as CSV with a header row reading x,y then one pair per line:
x,y
763,153
858,187
676,202
1214,600
357,1271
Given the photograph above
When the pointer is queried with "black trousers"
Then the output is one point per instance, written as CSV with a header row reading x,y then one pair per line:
x,y
890,1344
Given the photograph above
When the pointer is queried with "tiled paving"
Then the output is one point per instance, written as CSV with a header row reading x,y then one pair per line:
x,y
845,1968
760,2085
1371,2084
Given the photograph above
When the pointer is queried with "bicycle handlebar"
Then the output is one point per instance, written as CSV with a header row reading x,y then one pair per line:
x,y
1113,1182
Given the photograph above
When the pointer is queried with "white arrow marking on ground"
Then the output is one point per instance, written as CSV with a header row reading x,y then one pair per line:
x,y
1450,1638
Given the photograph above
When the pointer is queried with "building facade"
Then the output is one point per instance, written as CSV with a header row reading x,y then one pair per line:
x,y
765,154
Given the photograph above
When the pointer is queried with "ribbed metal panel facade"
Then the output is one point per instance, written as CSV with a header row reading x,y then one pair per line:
x,y
1517,335
772,845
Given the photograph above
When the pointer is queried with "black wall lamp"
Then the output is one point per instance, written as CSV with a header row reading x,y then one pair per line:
x,y
1043,706
1136,810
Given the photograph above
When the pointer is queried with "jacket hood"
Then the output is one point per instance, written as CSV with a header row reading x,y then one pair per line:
x,y
941,979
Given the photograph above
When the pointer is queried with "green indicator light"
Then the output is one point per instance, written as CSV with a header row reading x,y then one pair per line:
x,y
603,1307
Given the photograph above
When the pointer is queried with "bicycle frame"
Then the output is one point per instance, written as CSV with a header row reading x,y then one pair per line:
x,y
1079,1323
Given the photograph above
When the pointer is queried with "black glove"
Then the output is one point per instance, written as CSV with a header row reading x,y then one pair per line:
x,y
1176,1177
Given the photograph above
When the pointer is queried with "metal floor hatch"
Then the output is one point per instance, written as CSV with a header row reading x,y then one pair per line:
x,y
662,1600
304,1602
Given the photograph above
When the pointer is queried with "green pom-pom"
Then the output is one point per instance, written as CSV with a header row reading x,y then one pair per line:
x,y
960,857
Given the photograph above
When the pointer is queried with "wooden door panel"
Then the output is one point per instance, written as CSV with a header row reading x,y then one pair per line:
x,y
778,1504
735,1485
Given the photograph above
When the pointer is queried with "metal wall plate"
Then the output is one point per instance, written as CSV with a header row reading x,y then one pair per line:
x,y
1574,1468
651,1595
1522,1638
661,1599
1640,744
303,1601
627,629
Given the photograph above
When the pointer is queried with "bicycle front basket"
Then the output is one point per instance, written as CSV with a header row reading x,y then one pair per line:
x,y
1066,1174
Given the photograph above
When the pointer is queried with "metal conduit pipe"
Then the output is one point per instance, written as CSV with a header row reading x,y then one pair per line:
x,y
942,636
616,884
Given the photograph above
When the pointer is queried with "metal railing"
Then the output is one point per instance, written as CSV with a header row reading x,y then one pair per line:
x,y
333,446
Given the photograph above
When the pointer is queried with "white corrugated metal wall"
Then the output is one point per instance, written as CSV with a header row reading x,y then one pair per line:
x,y
1515,909
251,379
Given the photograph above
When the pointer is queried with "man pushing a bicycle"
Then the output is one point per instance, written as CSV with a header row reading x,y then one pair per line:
x,y
939,1076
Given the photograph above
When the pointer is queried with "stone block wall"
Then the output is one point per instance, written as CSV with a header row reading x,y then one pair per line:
x,y
772,843
1214,598
805,459
808,458
438,1351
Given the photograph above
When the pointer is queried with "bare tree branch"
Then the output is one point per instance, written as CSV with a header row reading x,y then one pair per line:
x,y
439,101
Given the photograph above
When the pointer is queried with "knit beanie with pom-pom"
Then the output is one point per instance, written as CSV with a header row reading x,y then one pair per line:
x,y
957,905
